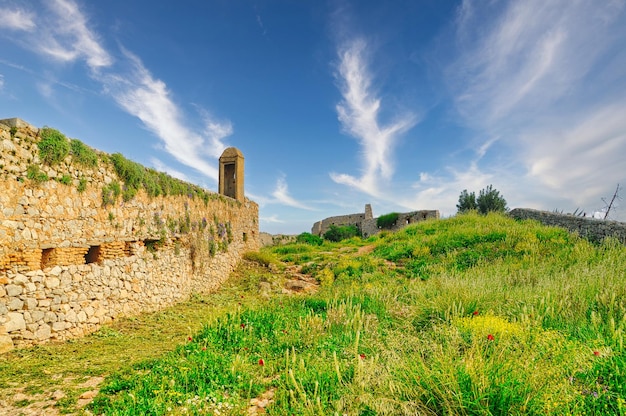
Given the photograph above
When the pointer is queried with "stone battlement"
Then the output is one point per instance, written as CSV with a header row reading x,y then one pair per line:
x,y
75,255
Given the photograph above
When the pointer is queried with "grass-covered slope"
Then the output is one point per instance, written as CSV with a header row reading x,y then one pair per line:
x,y
469,315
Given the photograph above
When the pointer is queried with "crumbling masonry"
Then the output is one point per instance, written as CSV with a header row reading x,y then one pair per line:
x,y
70,263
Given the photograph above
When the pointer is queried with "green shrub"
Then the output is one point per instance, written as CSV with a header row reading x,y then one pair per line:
x,y
65,179
308,238
33,173
83,154
387,220
53,146
262,258
13,131
341,233
82,185
130,172
110,193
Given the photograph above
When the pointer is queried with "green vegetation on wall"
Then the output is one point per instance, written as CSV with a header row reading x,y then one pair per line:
x,y
35,174
83,154
387,220
53,146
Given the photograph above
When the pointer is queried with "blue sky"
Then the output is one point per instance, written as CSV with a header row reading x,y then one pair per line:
x,y
335,104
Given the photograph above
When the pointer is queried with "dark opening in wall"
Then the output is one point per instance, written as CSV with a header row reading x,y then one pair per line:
x,y
93,255
152,245
245,237
46,256
230,179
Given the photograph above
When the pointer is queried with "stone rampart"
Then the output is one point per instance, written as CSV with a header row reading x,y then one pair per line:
x,y
366,222
592,229
71,260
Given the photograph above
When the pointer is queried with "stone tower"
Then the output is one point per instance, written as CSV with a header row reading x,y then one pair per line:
x,y
368,212
231,174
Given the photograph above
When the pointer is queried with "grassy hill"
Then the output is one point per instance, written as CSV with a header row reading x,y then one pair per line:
x,y
464,316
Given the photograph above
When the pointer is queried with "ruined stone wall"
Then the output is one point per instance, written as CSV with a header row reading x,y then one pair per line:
x,y
369,227
69,263
592,229
367,224
320,227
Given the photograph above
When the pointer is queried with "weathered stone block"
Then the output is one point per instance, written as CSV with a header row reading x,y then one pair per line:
x,y
58,326
31,304
6,344
13,290
15,304
37,315
50,317
15,323
43,332
52,282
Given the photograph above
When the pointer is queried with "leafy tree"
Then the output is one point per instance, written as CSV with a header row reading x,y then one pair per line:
x,y
387,220
337,234
308,238
467,202
489,200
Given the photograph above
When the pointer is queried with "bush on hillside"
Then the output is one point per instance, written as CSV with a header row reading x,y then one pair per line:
x,y
308,238
387,220
489,200
337,234
83,154
53,146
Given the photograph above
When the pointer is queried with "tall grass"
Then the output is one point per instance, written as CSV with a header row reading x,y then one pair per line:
x,y
464,316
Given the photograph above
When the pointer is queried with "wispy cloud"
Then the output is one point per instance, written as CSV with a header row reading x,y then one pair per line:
x,y
148,98
69,38
272,219
359,113
17,19
548,80
65,35
281,196
1,82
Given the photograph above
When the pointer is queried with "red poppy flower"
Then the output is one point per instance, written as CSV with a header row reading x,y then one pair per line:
x,y
362,356
189,339
596,353
203,348
243,326
475,313
490,337
261,362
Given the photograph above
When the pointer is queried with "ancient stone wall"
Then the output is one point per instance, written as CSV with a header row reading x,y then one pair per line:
x,y
366,223
592,229
369,227
70,263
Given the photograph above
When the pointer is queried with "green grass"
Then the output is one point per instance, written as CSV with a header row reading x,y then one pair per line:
x,y
473,315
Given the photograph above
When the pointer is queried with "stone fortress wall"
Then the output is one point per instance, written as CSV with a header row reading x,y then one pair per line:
x,y
70,263
592,229
366,222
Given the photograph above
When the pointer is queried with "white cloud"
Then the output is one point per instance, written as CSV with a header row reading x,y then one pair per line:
x,y
281,196
65,36
272,219
69,38
1,82
547,81
149,99
17,19
359,115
